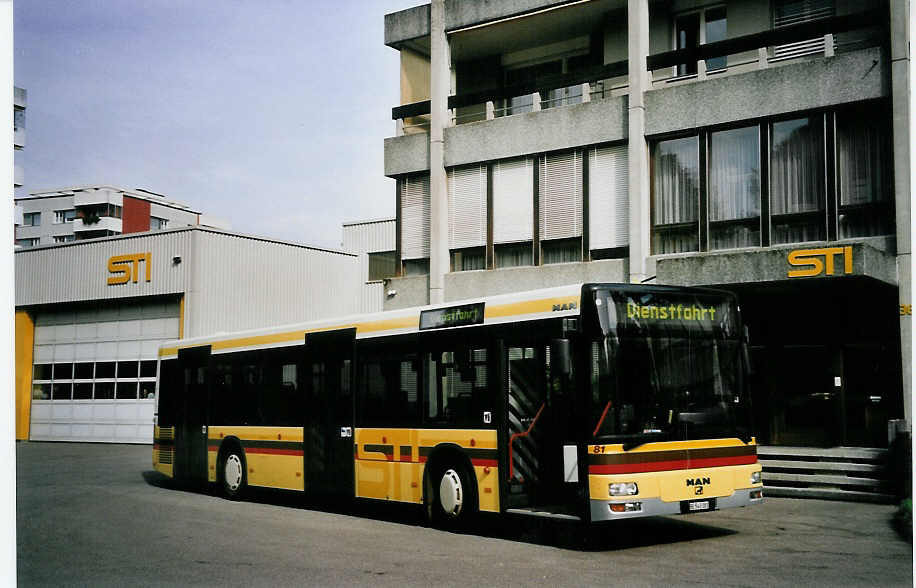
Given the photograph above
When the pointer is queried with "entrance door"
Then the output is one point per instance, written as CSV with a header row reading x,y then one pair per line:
x,y
191,417
329,413
809,405
540,414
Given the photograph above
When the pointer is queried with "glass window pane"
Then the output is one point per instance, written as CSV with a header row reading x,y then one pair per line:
x,y
61,391
716,30
63,371
104,390
797,180
82,391
82,371
127,369
104,369
147,390
148,369
675,195
41,371
863,177
512,255
734,188
126,390
41,391
687,35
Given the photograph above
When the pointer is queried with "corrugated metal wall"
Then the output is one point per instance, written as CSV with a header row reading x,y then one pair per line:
x,y
79,271
243,283
369,237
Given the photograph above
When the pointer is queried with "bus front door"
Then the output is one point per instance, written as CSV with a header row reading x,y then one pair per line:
x,y
328,430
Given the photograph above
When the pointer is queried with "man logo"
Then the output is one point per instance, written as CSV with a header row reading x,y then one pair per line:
x,y
564,306
811,257
697,481
126,268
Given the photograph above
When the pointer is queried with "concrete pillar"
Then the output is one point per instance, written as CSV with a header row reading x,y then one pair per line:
x,y
439,84
637,150
900,90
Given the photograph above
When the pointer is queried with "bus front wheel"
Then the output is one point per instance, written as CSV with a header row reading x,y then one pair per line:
x,y
232,472
451,497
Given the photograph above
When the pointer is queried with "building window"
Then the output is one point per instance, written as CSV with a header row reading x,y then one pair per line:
x,y
608,201
30,242
413,194
381,265
865,206
561,250
512,255
157,224
734,188
416,267
513,212
675,195
797,181
64,216
792,12
31,219
560,203
471,258
698,28
64,238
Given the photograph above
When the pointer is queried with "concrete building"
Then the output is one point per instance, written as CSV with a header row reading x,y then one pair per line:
x,y
90,316
760,147
87,212
20,99
373,241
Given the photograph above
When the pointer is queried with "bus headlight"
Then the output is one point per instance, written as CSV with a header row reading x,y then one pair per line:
x,y
755,478
623,489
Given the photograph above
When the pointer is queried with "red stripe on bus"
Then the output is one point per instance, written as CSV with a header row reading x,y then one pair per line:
x,y
272,451
405,458
680,464
485,462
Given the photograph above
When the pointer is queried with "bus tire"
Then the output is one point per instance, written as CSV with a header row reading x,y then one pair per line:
x,y
232,471
451,496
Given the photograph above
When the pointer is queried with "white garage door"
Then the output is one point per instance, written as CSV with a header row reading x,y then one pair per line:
x,y
94,373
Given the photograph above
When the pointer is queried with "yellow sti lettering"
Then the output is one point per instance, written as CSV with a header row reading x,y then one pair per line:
x,y
126,268
815,266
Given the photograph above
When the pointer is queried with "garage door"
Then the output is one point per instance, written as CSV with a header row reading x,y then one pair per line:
x,y
94,373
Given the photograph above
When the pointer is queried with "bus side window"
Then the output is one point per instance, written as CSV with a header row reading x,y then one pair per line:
x,y
388,391
456,390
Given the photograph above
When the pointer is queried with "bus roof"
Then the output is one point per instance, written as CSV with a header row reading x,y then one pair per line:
x,y
547,302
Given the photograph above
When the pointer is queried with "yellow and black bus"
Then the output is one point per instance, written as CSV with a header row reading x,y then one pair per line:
x,y
592,403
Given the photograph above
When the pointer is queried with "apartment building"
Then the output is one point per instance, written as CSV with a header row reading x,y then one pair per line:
x,y
86,212
756,146
20,100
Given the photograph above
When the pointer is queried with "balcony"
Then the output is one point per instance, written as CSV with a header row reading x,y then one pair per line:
x,y
105,223
810,65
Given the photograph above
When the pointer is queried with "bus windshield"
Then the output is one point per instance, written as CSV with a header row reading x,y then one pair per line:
x,y
666,367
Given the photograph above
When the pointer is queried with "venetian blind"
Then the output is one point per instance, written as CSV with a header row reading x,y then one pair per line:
x,y
513,200
415,217
560,198
792,12
467,207
608,197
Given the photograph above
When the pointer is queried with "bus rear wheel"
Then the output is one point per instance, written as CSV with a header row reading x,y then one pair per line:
x,y
232,473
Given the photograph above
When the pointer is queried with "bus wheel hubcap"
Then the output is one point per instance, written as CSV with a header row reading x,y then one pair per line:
x,y
233,472
450,493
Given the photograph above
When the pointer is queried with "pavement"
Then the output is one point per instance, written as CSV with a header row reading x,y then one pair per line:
x,y
97,515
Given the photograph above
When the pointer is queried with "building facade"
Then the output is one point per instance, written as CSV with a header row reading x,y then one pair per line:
x,y
760,147
90,316
20,100
373,241
87,212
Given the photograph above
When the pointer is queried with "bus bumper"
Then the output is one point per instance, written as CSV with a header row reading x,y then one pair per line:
x,y
650,507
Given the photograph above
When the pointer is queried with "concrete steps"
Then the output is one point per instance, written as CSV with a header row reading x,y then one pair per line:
x,y
838,473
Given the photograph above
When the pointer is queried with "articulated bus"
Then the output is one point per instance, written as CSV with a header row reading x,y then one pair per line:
x,y
589,403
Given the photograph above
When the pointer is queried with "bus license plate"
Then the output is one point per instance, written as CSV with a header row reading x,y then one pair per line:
x,y
698,505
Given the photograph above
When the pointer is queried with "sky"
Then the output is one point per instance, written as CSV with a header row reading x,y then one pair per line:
x,y
270,114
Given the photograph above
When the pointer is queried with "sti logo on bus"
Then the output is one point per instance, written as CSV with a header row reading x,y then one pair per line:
x,y
812,258
126,268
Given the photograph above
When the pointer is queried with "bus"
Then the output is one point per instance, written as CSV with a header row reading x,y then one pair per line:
x,y
590,403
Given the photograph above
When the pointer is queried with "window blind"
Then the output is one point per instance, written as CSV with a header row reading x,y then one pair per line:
x,y
791,12
513,200
608,197
560,197
415,217
467,207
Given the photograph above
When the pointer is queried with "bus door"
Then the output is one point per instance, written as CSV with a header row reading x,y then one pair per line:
x,y
328,433
191,414
540,414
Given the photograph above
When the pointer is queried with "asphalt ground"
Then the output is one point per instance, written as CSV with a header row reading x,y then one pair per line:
x,y
97,515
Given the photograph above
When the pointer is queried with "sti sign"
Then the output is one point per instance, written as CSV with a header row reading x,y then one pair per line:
x,y
816,262
126,268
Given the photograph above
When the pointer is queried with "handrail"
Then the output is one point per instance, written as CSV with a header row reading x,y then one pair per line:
x,y
601,420
519,435
780,36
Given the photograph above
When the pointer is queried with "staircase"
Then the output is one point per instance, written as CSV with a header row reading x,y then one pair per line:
x,y
839,473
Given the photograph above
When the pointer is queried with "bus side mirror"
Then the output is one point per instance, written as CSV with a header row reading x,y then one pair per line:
x,y
560,360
